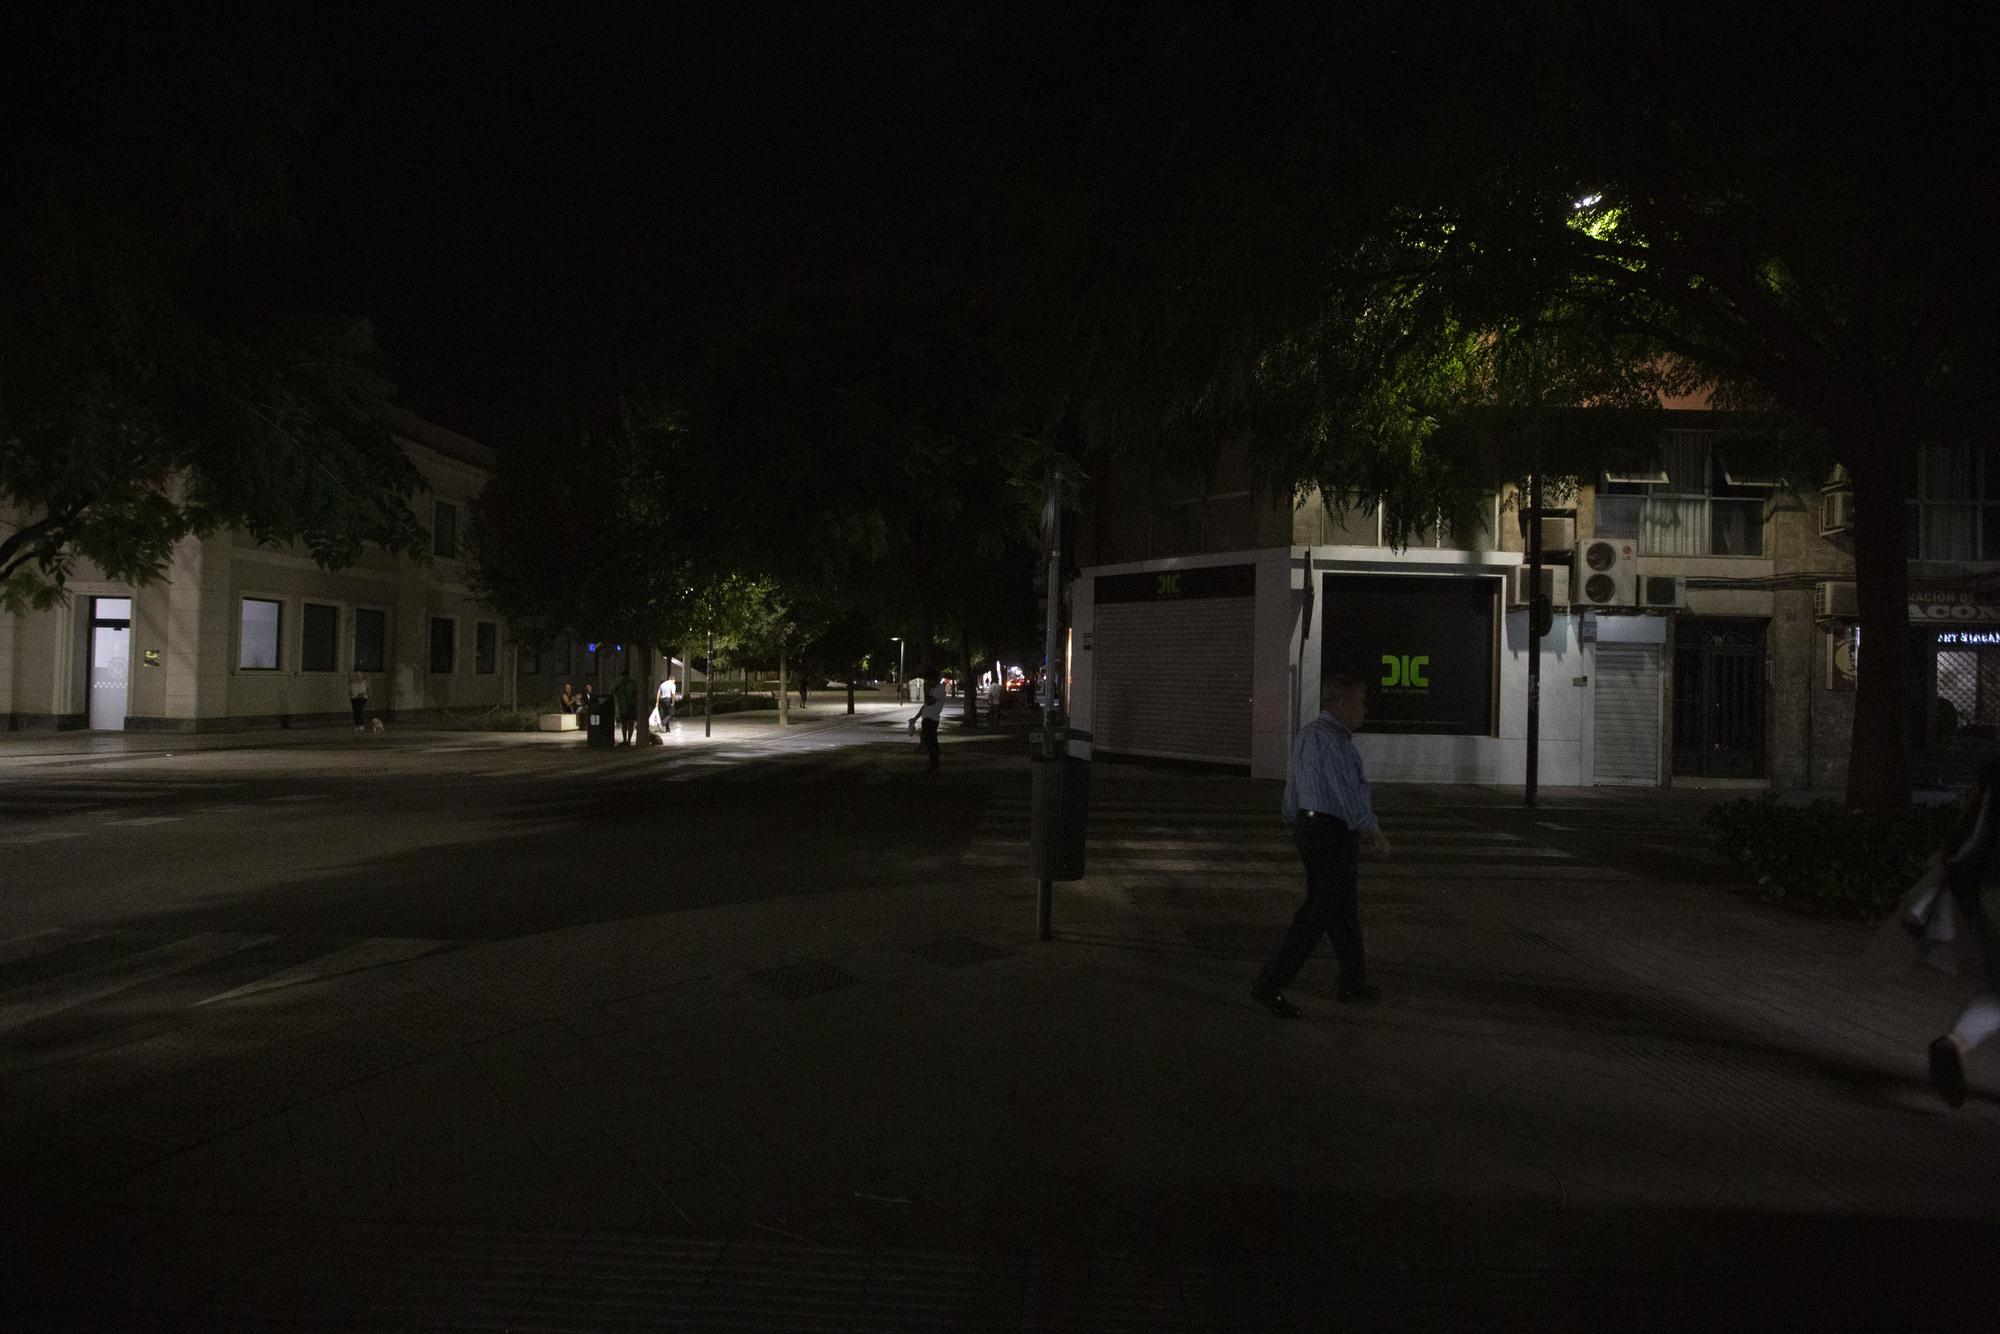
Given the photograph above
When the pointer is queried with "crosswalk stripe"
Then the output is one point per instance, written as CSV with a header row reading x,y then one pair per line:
x,y
141,821
44,836
108,979
368,954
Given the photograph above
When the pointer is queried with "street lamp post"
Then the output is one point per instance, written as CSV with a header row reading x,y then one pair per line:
x,y
899,664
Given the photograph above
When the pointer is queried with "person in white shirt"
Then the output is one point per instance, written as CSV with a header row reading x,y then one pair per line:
x,y
926,719
668,692
357,698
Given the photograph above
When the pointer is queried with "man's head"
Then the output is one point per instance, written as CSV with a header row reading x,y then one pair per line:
x,y
1345,697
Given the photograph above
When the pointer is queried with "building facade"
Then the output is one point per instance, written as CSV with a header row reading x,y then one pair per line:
x,y
1703,627
237,635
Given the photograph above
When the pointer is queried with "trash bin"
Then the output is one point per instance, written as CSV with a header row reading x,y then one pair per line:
x,y
601,722
1061,801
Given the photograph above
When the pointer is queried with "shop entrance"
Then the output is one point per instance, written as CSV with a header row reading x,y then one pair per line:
x,y
1719,697
110,662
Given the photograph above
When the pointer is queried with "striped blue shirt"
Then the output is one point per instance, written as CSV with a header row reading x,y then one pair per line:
x,y
1326,776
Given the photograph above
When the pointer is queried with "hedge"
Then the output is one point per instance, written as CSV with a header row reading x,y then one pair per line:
x,y
1824,858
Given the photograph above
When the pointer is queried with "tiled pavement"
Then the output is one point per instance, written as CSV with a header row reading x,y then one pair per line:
x,y
1592,1099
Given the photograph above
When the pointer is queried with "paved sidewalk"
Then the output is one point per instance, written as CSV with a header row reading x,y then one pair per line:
x,y
50,747
1590,1099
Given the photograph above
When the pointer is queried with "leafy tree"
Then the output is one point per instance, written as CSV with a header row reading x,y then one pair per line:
x,y
1394,247
576,535
853,447
155,382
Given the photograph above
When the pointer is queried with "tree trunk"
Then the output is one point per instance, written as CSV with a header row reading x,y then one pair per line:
x,y
1878,762
967,684
850,687
784,699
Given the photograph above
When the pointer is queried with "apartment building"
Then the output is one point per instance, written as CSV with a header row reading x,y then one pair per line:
x,y
237,635
1704,626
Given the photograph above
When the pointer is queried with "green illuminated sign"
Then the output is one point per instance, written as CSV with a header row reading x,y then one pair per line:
x,y
1405,671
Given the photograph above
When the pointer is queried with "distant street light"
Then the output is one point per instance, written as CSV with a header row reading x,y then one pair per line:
x,y
899,663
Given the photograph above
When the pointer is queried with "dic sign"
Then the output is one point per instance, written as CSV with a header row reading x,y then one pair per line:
x,y
1423,643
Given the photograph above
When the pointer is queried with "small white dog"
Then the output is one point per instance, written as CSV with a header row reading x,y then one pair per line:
x,y
378,725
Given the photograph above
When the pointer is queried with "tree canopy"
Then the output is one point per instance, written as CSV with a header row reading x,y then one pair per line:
x,y
156,381
1396,248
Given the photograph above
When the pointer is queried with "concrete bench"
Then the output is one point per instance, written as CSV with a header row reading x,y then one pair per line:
x,y
558,722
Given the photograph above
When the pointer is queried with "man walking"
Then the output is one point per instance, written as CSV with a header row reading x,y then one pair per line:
x,y
1328,806
665,700
625,698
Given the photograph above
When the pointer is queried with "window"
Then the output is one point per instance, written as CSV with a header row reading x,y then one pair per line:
x,y
444,529
485,647
444,644
1956,515
530,658
257,649
1690,503
319,640
371,641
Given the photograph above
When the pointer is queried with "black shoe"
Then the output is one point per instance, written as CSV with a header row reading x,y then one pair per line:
x,y
1948,1072
1275,1002
1359,994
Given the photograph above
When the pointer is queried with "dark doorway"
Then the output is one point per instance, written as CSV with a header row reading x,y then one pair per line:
x,y
1719,697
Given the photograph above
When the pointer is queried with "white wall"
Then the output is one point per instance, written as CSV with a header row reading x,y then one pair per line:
x,y
1286,670
1564,760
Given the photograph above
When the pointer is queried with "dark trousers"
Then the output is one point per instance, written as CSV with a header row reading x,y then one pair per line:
x,y
360,703
927,732
1330,851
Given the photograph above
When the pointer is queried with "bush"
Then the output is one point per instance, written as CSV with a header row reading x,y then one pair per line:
x,y
492,720
1825,858
691,705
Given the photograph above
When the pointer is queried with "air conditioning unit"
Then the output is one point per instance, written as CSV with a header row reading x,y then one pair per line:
x,y
1605,568
1663,592
1555,583
1836,513
1834,599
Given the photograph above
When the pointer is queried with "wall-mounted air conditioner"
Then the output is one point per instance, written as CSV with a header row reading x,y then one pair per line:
x,y
1836,513
1663,592
1834,599
1605,568
1555,584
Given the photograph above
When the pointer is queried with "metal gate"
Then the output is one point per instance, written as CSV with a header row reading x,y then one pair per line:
x,y
1626,715
1719,698
1173,679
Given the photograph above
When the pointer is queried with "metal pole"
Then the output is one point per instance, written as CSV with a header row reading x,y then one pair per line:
x,y
1534,634
708,691
1051,751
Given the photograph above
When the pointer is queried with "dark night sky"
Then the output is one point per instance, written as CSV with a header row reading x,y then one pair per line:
x,y
523,199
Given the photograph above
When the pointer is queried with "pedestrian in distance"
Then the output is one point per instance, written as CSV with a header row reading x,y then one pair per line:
x,y
926,719
357,698
1328,806
1952,913
625,699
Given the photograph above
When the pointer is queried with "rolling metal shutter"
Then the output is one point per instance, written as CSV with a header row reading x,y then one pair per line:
x,y
1627,748
1172,679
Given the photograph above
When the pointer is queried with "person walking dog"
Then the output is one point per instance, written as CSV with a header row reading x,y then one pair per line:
x,y
357,698
1328,806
